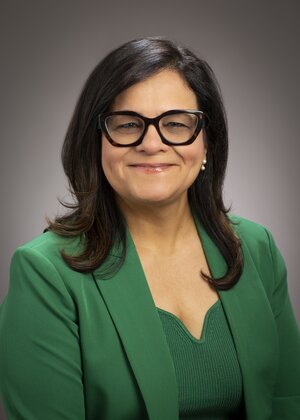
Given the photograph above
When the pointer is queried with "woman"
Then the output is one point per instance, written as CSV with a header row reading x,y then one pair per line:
x,y
148,300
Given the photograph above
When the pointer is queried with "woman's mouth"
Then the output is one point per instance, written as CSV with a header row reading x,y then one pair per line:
x,y
150,168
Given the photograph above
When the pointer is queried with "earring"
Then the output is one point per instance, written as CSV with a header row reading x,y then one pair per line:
x,y
203,165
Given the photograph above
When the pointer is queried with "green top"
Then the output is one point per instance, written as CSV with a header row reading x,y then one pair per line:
x,y
207,369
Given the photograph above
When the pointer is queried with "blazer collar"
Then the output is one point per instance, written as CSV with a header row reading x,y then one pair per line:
x,y
132,308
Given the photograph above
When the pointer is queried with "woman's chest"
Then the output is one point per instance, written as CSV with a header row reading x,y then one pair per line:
x,y
176,286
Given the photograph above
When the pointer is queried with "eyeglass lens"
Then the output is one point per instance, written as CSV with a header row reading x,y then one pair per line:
x,y
176,128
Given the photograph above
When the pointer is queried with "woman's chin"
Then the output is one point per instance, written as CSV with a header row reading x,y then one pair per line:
x,y
158,199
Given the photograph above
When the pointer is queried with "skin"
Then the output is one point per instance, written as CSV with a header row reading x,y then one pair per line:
x,y
154,196
154,201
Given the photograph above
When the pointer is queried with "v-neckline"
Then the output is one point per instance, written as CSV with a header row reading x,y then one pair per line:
x,y
206,317
186,330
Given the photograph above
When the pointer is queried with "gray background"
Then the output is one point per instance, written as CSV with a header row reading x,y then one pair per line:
x,y
48,48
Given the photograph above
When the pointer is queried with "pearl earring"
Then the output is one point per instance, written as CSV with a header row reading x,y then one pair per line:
x,y
203,165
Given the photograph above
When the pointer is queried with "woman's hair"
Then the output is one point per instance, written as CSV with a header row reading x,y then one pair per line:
x,y
95,216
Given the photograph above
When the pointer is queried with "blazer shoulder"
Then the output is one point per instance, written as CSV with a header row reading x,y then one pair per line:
x,y
42,256
250,232
263,250
49,244
257,238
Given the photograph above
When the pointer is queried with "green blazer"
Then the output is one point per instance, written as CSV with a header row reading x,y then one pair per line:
x,y
79,346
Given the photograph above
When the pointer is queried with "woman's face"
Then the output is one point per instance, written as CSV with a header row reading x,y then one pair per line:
x,y
129,170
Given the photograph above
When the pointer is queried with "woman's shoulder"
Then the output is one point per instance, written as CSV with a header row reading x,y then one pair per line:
x,y
49,245
40,261
248,230
259,241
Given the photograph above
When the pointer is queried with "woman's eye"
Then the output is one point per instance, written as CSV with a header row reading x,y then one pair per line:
x,y
129,125
175,124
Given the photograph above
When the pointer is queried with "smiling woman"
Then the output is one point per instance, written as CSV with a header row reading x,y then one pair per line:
x,y
175,168
149,299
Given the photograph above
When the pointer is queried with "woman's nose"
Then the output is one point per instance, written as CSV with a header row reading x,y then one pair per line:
x,y
152,142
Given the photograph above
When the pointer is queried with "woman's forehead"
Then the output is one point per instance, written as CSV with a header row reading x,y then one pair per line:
x,y
160,92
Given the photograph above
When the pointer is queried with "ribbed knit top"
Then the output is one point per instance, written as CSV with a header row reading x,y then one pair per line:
x,y
207,370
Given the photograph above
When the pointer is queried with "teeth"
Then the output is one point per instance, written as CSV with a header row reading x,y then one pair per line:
x,y
153,168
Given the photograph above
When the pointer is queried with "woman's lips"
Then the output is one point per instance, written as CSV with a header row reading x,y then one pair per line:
x,y
152,168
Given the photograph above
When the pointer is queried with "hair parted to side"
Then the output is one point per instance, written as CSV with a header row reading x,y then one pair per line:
x,y
95,217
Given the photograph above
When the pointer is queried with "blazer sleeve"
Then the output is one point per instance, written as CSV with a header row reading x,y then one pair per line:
x,y
40,360
286,402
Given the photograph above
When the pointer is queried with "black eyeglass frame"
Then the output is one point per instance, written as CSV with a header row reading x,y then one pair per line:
x,y
201,123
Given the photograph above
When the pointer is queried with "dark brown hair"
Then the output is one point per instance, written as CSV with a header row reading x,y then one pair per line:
x,y
95,217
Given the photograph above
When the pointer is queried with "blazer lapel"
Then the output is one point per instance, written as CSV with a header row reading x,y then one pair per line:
x,y
253,328
132,308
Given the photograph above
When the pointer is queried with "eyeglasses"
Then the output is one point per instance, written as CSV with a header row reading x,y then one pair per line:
x,y
177,127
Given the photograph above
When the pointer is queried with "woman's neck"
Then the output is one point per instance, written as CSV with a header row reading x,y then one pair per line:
x,y
159,227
